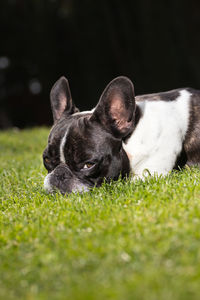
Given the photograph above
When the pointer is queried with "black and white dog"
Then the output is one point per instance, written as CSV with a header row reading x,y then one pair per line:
x,y
122,135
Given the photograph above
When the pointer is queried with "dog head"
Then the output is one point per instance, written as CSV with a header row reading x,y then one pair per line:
x,y
85,148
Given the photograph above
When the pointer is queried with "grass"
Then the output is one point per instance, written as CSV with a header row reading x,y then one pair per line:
x,y
122,241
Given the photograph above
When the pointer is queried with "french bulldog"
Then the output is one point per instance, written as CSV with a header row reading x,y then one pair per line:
x,y
123,135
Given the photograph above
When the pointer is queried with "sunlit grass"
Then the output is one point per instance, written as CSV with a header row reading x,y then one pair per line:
x,y
122,241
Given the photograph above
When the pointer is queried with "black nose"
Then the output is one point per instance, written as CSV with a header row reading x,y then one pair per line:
x,y
62,179
61,175
62,170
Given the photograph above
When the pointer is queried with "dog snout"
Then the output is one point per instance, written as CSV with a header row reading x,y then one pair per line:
x,y
63,179
62,172
58,179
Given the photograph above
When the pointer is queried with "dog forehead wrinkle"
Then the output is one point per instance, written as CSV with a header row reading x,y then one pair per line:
x,y
80,136
64,132
72,141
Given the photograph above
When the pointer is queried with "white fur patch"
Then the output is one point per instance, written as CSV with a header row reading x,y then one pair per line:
x,y
62,145
83,112
47,186
157,140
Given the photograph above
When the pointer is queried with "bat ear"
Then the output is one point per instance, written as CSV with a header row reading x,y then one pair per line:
x,y
116,107
61,99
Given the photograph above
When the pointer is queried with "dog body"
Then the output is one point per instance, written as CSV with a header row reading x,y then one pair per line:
x,y
123,134
158,137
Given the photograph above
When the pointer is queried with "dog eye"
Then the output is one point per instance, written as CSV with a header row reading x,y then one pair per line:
x,y
88,165
47,160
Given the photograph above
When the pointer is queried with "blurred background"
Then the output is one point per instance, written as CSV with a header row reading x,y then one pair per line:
x,y
155,43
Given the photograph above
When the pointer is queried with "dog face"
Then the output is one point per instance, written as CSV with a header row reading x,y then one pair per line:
x,y
85,148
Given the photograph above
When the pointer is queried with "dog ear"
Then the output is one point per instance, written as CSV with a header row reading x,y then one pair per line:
x,y
116,107
61,99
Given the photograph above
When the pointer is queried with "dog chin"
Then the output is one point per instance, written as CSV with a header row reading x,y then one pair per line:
x,y
76,187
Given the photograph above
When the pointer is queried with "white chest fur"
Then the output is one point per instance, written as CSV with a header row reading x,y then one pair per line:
x,y
157,140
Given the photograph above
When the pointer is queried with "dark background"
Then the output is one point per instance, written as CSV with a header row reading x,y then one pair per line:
x,y
155,43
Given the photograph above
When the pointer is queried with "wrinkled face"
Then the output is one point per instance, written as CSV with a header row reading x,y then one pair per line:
x,y
84,149
82,155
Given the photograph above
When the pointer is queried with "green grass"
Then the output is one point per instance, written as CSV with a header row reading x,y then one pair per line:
x,y
122,241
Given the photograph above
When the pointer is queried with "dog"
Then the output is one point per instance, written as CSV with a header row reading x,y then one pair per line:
x,y
122,135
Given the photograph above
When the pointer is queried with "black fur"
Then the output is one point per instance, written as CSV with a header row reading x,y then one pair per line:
x,y
192,141
163,96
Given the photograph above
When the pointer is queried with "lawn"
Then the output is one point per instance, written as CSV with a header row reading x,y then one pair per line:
x,y
122,241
